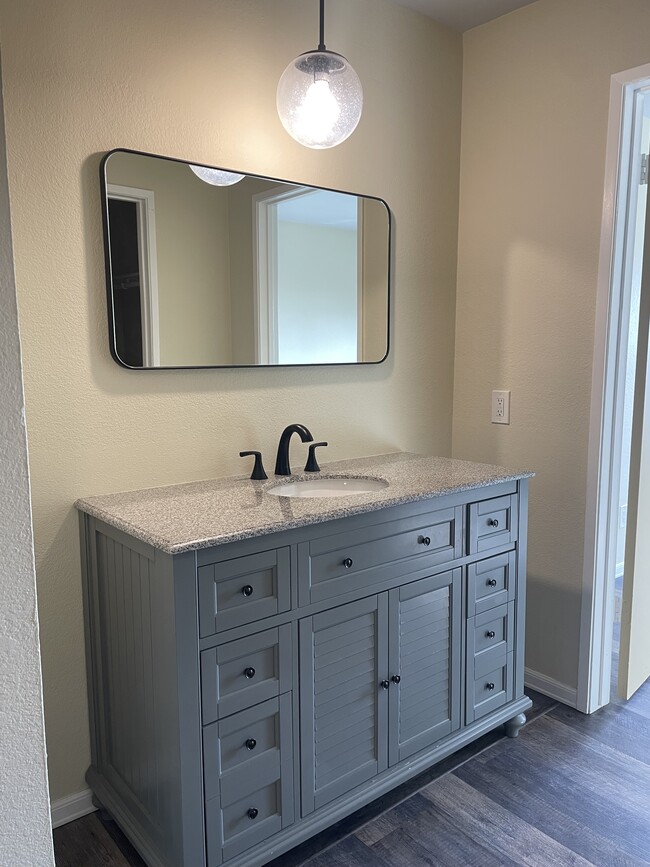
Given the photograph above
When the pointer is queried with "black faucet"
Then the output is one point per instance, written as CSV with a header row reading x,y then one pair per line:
x,y
282,467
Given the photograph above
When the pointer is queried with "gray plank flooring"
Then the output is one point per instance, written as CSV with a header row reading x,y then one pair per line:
x,y
571,790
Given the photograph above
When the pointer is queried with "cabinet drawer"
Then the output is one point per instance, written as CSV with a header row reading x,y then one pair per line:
x,y
244,672
233,827
492,524
490,634
491,688
243,590
490,583
333,565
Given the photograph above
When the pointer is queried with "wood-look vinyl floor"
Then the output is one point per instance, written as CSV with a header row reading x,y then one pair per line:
x,y
570,790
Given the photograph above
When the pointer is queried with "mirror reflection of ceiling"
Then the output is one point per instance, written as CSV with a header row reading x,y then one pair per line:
x,y
464,14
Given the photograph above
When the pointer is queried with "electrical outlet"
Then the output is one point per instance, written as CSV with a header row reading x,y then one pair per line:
x,y
501,407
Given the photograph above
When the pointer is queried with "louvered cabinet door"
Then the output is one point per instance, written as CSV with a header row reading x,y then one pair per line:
x,y
344,707
424,647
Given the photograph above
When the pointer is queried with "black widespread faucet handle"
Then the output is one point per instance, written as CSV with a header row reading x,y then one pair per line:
x,y
258,470
312,464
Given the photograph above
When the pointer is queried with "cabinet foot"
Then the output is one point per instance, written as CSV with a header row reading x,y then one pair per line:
x,y
102,812
513,725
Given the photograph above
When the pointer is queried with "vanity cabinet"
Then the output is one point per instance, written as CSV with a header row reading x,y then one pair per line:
x,y
244,696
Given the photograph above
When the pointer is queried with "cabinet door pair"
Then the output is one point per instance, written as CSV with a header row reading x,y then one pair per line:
x,y
379,681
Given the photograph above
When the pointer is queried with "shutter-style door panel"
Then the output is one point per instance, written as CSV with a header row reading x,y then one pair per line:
x,y
344,708
425,645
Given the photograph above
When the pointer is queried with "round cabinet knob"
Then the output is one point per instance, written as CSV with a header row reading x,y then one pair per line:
x,y
396,678
249,673
384,684
489,686
251,743
348,562
492,582
490,633
253,813
492,522
424,540
247,590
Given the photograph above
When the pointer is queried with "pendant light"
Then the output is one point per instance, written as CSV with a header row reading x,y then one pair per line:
x,y
216,177
319,96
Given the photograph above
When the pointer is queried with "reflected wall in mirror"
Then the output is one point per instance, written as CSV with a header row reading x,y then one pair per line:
x,y
258,272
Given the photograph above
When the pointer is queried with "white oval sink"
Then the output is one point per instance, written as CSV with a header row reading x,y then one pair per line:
x,y
341,486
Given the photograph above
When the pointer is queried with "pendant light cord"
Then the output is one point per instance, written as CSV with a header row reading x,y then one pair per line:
x,y
321,44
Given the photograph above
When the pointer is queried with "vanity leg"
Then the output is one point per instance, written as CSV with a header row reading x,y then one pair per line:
x,y
513,725
102,812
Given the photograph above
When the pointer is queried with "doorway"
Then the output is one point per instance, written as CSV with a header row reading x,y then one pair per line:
x,y
617,406
309,285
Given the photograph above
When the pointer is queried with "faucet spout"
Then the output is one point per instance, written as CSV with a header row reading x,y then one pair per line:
x,y
282,466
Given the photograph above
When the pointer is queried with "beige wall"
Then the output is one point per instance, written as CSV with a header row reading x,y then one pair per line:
x,y
242,268
535,112
197,80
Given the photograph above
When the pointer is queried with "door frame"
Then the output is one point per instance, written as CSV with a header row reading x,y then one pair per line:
x,y
144,200
622,167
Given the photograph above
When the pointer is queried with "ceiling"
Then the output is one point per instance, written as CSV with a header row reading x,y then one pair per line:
x,y
464,14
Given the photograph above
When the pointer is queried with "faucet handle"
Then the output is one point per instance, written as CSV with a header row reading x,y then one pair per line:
x,y
258,470
312,464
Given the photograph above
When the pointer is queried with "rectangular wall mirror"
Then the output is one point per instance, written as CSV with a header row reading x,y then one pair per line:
x,y
256,272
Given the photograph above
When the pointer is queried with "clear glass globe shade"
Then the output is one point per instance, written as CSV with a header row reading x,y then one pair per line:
x,y
319,99
216,177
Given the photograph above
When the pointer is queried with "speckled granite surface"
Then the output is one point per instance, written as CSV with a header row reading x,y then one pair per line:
x,y
200,514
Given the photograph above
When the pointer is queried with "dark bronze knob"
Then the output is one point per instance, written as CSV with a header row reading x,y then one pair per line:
x,y
490,633
396,678
251,743
384,684
490,686
249,673
424,540
493,522
247,590
492,582
347,563
253,813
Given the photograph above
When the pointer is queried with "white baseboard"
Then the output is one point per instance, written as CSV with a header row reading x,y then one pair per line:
x,y
552,688
73,807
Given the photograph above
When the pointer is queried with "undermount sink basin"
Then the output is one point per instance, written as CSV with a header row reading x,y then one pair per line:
x,y
340,486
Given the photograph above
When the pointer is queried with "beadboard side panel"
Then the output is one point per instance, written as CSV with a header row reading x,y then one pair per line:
x,y
142,654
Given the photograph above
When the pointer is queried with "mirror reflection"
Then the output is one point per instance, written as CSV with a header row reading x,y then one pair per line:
x,y
206,268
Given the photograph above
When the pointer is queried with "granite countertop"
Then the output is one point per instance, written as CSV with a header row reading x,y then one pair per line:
x,y
186,517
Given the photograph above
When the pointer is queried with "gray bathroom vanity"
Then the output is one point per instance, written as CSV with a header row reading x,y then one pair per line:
x,y
260,666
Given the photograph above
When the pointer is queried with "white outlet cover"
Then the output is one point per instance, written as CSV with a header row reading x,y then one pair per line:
x,y
500,407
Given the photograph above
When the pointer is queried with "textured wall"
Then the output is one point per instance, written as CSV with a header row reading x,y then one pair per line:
x,y
535,113
24,807
197,80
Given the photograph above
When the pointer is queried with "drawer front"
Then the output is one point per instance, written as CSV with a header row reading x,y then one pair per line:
x,y
345,562
490,633
490,583
234,827
492,524
491,689
248,749
245,672
243,590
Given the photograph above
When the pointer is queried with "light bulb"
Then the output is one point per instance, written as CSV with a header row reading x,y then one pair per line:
x,y
216,177
317,113
319,99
